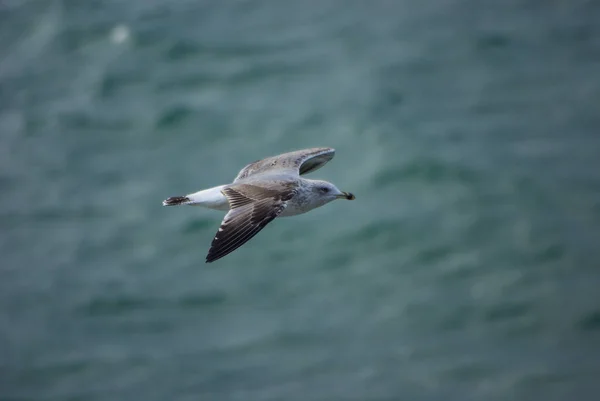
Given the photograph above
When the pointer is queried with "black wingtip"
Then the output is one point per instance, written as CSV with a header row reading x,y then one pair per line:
x,y
176,200
211,257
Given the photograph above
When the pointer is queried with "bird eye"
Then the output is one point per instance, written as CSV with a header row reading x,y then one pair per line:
x,y
324,190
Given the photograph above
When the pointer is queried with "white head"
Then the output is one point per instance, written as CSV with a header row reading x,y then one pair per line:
x,y
327,192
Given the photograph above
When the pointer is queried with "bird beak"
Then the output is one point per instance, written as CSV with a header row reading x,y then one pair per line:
x,y
347,195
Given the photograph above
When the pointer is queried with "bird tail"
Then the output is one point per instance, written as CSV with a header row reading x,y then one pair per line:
x,y
176,200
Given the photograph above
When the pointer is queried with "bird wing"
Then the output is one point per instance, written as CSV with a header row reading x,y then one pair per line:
x,y
298,162
252,208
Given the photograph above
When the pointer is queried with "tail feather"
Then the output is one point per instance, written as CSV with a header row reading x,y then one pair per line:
x,y
176,200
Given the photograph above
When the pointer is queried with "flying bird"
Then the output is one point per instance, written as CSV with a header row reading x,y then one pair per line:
x,y
263,190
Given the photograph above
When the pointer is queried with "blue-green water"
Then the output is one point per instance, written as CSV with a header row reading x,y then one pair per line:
x,y
467,268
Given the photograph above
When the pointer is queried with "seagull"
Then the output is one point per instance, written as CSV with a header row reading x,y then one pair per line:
x,y
263,190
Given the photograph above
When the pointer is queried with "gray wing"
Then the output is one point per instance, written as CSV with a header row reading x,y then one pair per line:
x,y
252,208
298,162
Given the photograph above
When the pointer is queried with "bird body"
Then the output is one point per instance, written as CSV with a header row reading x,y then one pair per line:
x,y
211,198
262,191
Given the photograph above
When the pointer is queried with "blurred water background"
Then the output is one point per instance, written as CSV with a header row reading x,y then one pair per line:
x,y
467,268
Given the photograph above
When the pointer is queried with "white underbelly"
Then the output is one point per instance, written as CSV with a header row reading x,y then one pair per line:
x,y
213,198
293,210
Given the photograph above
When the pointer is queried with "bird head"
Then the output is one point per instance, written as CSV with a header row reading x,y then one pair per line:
x,y
329,192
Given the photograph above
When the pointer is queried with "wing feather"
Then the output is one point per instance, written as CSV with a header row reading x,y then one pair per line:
x,y
252,208
298,162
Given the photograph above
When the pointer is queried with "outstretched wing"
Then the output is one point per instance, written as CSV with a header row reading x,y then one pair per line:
x,y
298,162
252,208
